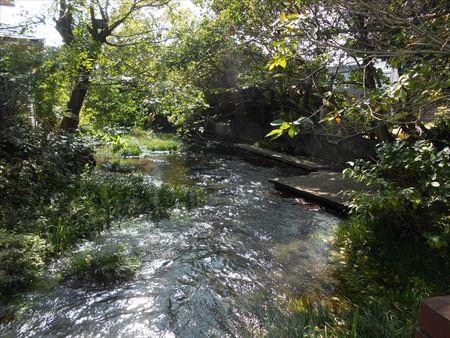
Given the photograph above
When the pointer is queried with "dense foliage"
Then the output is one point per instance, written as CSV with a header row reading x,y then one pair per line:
x,y
412,183
50,199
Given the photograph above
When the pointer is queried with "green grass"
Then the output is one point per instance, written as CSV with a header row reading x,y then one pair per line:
x,y
80,212
129,149
138,142
163,142
101,198
108,265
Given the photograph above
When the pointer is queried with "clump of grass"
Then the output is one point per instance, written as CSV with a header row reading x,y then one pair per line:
x,y
161,142
136,142
105,266
336,317
101,198
129,149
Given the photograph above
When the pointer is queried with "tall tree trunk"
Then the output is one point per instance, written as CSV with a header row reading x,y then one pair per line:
x,y
72,117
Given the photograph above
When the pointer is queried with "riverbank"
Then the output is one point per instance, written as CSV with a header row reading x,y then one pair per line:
x,y
52,199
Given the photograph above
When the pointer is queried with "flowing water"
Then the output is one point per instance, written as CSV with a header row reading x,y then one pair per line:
x,y
209,272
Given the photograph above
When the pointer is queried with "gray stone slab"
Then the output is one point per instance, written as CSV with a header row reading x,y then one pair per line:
x,y
323,187
302,163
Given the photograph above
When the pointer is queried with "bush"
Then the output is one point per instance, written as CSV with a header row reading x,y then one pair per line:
x,y
36,164
387,276
21,260
104,266
394,249
412,191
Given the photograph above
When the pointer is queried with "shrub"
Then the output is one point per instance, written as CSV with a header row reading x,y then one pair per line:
x,y
412,191
107,265
21,260
394,249
36,164
386,276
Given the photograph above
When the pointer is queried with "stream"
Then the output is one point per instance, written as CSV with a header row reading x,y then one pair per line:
x,y
212,271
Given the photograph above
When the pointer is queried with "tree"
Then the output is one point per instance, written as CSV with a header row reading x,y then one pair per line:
x,y
85,33
409,35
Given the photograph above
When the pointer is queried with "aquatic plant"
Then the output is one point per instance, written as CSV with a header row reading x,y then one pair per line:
x,y
137,141
116,166
106,265
160,142
129,149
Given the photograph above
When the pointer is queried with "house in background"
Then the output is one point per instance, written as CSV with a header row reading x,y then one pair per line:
x,y
345,71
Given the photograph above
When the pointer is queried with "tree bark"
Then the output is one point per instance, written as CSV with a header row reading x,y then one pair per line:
x,y
72,117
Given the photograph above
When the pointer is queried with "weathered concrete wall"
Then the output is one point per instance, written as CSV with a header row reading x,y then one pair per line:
x,y
333,150
328,149
244,130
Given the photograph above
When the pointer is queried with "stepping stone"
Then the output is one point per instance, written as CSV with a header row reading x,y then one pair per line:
x,y
302,163
322,187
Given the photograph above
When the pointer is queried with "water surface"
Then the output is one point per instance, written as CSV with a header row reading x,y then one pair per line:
x,y
208,272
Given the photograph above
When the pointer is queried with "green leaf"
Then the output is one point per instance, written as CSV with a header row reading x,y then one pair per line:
x,y
285,126
292,16
274,132
277,122
291,132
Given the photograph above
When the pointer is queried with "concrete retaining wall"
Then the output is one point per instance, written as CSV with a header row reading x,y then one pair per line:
x,y
328,149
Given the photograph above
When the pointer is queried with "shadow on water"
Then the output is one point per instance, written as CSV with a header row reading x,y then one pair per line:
x,y
208,272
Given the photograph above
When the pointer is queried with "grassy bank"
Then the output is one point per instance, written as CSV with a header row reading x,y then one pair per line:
x,y
50,199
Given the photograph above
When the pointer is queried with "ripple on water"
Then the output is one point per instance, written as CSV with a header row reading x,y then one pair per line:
x,y
206,272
